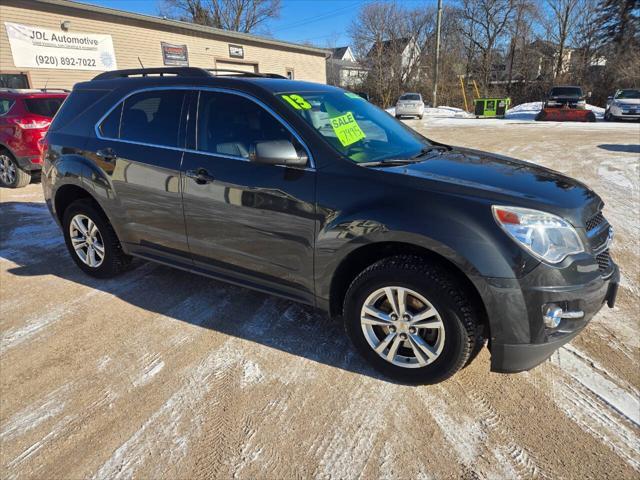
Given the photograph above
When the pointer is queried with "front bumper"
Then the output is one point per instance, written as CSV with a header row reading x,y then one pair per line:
x,y
518,343
631,112
29,163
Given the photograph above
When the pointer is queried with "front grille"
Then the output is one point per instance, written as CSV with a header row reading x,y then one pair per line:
x,y
604,260
594,221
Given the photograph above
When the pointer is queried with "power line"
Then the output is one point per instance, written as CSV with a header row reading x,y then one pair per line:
x,y
309,20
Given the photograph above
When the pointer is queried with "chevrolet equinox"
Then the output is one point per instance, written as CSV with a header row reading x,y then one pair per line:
x,y
426,251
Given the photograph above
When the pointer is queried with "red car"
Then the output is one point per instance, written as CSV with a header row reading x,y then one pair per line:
x,y
25,116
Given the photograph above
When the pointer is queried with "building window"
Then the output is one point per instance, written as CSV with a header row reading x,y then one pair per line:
x,y
14,80
290,74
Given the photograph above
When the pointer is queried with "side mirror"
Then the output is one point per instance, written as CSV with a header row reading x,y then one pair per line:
x,y
588,94
277,152
609,98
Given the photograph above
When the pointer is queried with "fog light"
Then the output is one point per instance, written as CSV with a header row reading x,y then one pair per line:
x,y
552,315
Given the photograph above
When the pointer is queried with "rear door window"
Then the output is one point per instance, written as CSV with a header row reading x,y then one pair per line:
x,y
46,107
149,117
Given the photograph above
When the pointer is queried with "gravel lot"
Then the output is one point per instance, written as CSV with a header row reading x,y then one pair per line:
x,y
164,374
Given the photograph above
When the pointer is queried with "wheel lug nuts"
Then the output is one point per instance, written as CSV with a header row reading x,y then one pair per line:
x,y
392,329
412,330
403,336
394,317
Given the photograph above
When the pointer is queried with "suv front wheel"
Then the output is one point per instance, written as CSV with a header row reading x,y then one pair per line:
x,y
91,240
411,320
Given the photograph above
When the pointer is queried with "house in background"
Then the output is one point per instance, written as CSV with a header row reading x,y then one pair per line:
x,y
397,57
343,70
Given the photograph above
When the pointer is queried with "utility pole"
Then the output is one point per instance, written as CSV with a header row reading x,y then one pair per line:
x,y
436,63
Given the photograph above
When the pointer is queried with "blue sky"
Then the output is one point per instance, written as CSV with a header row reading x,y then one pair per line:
x,y
322,22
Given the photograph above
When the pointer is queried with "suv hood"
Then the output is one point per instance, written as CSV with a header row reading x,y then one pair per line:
x,y
507,180
628,101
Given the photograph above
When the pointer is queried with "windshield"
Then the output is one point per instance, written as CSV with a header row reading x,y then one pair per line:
x,y
45,106
566,92
354,127
410,96
629,94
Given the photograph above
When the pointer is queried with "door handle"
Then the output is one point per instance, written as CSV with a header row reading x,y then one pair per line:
x,y
201,176
107,154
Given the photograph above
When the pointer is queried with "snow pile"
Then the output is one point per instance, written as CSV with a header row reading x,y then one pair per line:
x,y
528,111
438,112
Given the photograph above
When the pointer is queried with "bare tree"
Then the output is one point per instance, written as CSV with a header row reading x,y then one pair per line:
x,y
238,15
484,24
388,40
520,30
561,23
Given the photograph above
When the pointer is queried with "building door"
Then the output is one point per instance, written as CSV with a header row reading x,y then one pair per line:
x,y
242,66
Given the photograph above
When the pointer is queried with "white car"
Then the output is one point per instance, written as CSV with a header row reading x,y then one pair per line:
x,y
624,104
410,105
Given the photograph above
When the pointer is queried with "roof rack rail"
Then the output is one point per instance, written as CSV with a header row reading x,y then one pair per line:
x,y
33,90
182,72
161,71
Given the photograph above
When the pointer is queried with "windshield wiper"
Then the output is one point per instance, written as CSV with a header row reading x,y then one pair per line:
x,y
432,148
394,162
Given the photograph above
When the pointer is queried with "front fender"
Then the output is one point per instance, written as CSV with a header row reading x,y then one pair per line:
x,y
458,230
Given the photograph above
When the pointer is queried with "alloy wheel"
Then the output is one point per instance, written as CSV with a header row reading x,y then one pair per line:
x,y
7,170
402,327
86,240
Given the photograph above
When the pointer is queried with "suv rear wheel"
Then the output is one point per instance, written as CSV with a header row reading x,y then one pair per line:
x,y
11,175
91,240
411,320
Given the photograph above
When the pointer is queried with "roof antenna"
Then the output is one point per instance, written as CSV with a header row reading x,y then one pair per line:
x,y
140,61
45,85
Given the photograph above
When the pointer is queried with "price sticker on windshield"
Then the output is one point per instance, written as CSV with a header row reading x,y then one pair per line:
x,y
296,101
347,129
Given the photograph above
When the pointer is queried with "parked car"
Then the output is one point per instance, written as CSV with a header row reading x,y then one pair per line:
x,y
25,116
624,104
424,250
410,105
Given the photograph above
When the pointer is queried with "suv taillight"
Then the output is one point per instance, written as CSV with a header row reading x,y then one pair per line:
x,y
43,145
33,122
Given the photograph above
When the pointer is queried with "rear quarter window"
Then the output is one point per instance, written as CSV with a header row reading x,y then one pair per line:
x,y
75,104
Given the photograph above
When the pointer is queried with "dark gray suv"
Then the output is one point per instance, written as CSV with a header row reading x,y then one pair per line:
x,y
426,251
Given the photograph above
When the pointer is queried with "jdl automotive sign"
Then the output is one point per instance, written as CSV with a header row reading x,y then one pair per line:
x,y
35,47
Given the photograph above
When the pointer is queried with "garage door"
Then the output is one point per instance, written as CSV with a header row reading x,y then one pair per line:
x,y
244,67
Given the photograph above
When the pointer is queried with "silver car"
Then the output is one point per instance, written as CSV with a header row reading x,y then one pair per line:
x,y
410,105
624,104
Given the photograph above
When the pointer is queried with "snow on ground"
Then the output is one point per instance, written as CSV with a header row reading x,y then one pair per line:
x,y
522,112
447,112
528,111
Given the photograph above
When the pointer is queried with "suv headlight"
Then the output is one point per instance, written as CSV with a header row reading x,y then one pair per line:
x,y
544,235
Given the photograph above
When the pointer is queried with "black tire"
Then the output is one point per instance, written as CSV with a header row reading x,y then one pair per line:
x,y
20,177
398,117
115,261
421,117
591,117
463,331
